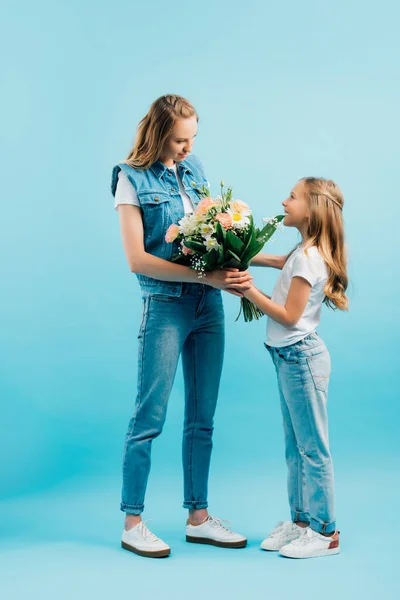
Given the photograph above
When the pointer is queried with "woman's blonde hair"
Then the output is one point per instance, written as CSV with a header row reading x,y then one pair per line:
x,y
154,129
326,232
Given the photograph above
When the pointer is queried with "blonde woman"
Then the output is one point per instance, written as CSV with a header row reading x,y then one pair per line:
x,y
153,188
315,272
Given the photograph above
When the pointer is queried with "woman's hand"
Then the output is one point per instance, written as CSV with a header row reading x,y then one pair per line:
x,y
229,280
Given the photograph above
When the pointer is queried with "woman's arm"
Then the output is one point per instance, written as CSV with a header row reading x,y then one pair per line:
x,y
296,302
144,263
268,260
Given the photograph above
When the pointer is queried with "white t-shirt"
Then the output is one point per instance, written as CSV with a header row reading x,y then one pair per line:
x,y
126,193
314,270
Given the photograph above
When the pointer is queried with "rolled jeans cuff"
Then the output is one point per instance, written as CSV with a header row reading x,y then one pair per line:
x,y
298,515
195,505
131,510
323,527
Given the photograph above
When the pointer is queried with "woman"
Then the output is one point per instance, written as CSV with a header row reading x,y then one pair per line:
x,y
154,188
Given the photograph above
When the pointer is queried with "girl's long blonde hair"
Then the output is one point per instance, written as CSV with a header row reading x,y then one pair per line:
x,y
154,129
326,232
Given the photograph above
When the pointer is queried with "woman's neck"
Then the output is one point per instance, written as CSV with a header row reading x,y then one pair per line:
x,y
168,162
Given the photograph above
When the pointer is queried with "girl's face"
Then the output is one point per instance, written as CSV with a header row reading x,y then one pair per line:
x,y
179,143
296,207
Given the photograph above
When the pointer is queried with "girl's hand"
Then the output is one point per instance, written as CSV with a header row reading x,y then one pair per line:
x,y
224,279
244,288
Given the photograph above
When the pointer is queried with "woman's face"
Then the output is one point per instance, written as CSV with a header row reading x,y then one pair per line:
x,y
179,143
296,207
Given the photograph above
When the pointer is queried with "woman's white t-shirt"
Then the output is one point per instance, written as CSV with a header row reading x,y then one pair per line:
x,y
126,193
314,270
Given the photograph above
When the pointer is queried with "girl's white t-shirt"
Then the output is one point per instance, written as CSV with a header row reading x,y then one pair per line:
x,y
314,270
126,193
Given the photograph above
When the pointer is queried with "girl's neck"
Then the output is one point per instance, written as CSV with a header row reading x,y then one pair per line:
x,y
303,232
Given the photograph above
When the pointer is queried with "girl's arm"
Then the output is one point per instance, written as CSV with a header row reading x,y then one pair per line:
x,y
296,302
144,263
268,260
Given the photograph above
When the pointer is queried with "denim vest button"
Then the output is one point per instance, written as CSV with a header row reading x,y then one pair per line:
x,y
156,199
173,190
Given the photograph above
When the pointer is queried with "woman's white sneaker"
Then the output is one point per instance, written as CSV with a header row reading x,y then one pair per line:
x,y
214,532
142,541
284,533
312,544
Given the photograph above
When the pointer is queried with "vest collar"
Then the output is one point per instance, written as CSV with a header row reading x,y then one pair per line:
x,y
159,168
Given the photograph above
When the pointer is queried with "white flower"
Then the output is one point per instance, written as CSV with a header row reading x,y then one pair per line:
x,y
239,220
189,224
206,230
212,243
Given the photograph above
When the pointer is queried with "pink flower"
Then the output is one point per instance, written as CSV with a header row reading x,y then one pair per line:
x,y
187,251
204,206
225,220
240,207
172,233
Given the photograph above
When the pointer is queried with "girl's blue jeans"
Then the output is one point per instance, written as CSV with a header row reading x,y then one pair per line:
x,y
303,371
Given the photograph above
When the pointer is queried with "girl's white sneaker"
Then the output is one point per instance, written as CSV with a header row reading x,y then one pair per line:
x,y
284,533
312,544
142,541
214,532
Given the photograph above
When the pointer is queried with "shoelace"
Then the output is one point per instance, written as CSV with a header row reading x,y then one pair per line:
x,y
280,528
305,536
146,533
219,524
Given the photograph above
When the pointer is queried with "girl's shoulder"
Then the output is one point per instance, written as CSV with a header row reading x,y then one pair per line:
x,y
310,262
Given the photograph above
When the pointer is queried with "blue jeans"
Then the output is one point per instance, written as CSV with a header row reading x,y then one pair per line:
x,y
191,324
303,371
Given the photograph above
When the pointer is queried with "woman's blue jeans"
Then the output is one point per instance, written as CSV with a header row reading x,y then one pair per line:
x,y
191,325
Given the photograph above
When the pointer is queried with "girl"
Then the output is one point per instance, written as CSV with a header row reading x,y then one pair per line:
x,y
315,272
154,188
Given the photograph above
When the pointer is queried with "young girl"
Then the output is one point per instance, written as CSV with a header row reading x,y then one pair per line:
x,y
314,273
154,188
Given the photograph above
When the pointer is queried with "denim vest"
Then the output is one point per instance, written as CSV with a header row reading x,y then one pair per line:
x,y
161,203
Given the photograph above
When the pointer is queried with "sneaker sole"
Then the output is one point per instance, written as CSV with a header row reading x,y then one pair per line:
x,y
322,553
210,542
156,554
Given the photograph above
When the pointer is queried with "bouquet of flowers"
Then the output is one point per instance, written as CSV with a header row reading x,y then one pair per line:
x,y
221,233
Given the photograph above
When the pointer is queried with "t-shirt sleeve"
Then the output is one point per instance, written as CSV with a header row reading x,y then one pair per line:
x,y
125,193
307,267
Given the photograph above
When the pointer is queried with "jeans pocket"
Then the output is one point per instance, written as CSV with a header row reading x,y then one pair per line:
x,y
289,356
163,298
320,368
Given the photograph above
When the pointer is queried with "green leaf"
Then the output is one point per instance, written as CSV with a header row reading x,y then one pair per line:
x,y
181,259
248,231
221,255
195,246
221,233
232,260
268,231
211,259
234,243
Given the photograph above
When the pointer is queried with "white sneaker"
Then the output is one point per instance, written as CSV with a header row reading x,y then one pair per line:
x,y
142,541
282,534
311,544
214,532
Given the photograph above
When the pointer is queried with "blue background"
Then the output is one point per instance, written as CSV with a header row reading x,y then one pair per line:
x,y
283,91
